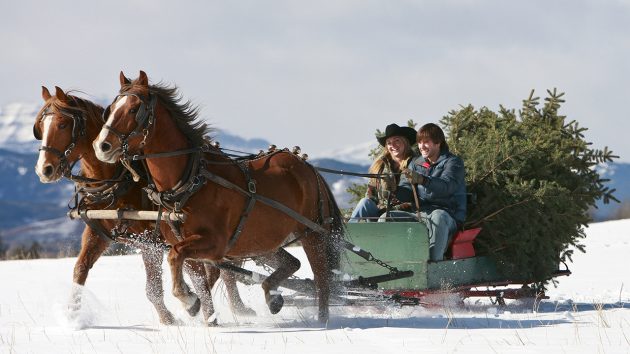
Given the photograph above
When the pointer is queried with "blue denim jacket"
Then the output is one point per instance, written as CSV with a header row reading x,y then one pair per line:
x,y
444,185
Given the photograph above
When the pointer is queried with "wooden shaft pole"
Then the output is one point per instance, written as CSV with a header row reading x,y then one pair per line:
x,y
128,215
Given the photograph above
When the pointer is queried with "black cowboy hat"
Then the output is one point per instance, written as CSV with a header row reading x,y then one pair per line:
x,y
396,130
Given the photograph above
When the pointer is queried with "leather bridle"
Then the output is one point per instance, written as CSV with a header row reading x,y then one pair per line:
x,y
78,130
144,119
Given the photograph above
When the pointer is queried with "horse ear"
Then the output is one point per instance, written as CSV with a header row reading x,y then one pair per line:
x,y
60,94
123,80
45,93
143,79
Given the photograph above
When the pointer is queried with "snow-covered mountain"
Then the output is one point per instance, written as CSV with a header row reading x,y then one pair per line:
x,y
355,154
16,127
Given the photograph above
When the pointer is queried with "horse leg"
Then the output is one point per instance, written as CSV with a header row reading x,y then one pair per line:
x,y
180,289
316,253
92,247
236,303
285,265
203,282
152,258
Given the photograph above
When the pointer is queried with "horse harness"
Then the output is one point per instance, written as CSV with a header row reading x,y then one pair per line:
x,y
108,191
197,175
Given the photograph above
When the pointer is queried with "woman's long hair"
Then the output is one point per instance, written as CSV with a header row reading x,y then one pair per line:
x,y
385,159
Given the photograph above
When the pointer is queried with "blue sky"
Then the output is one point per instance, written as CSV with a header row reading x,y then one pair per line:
x,y
326,74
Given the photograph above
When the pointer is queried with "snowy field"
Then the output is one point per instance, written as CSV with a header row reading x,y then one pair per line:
x,y
589,312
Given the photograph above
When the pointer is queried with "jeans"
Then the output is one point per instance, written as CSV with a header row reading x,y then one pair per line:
x,y
366,208
441,227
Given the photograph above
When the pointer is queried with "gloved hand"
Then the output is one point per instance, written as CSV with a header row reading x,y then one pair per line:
x,y
402,206
413,176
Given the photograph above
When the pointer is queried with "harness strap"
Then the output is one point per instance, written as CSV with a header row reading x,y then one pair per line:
x,y
165,154
156,230
96,227
270,202
415,198
175,226
241,223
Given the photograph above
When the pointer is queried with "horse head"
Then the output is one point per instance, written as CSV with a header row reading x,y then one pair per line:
x,y
127,120
61,126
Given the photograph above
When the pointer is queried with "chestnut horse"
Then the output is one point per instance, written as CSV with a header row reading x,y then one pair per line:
x,y
67,124
235,209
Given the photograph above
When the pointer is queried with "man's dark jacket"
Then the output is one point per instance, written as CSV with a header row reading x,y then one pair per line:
x,y
444,185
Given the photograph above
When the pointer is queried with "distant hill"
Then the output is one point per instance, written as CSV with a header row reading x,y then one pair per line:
x,y
54,236
23,198
619,175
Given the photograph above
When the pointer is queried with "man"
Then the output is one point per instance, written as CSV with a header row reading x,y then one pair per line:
x,y
438,177
393,192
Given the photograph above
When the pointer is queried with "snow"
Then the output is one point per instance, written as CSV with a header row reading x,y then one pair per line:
x,y
586,313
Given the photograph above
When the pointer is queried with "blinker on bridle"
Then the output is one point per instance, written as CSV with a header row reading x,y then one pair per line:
x,y
78,130
144,119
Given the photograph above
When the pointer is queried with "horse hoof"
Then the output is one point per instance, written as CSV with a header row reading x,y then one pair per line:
x,y
213,323
275,303
194,309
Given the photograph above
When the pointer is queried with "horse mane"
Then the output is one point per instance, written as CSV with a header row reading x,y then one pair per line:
x,y
185,114
88,109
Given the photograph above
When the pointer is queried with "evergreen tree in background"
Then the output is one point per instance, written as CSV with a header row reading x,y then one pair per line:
x,y
534,179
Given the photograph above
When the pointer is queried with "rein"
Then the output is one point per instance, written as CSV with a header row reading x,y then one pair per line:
x,y
367,175
137,157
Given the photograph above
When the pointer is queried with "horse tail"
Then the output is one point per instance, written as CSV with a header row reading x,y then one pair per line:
x,y
332,243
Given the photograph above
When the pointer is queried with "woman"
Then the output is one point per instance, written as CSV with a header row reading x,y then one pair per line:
x,y
392,192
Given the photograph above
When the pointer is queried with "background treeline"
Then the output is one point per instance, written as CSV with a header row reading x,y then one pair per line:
x,y
34,250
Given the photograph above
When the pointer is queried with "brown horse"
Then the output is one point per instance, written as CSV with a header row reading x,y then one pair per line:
x,y
67,124
234,210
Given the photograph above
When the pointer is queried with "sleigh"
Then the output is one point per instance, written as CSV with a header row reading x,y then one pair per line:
x,y
388,262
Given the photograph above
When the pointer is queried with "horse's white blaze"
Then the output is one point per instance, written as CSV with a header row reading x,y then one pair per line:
x,y
110,120
39,167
